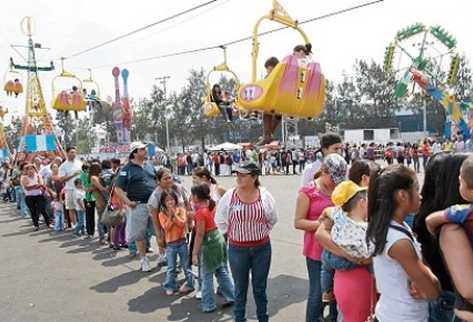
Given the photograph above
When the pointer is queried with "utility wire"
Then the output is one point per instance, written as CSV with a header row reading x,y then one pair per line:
x,y
141,29
219,46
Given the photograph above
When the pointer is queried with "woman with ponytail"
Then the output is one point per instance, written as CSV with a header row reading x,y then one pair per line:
x,y
203,175
402,278
210,245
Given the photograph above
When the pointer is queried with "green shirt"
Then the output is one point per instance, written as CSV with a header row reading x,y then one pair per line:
x,y
84,178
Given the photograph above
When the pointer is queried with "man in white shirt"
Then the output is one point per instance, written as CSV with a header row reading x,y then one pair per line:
x,y
69,171
330,143
436,148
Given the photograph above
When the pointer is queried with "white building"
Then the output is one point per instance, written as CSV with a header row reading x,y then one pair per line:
x,y
378,136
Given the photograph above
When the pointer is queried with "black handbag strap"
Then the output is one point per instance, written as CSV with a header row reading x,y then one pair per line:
x,y
403,230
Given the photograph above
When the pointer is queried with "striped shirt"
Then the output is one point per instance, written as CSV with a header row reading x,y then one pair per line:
x,y
248,226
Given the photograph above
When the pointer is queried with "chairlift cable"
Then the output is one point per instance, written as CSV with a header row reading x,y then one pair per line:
x,y
219,46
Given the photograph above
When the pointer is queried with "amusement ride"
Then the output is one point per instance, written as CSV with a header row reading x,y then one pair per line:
x,y
294,89
427,59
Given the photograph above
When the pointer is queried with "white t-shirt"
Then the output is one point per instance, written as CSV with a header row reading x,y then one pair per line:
x,y
45,172
309,172
68,168
436,148
78,195
396,303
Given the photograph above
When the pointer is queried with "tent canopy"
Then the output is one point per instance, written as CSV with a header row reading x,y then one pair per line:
x,y
227,146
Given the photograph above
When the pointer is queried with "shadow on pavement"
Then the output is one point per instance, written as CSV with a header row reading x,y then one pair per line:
x,y
113,284
10,220
283,291
19,233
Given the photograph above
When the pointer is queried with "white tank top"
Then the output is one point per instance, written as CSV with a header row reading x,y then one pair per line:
x,y
33,181
214,194
392,282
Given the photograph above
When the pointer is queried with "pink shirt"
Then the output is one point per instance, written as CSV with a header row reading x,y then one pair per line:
x,y
318,202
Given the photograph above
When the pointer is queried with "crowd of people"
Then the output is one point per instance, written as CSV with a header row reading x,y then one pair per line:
x,y
370,230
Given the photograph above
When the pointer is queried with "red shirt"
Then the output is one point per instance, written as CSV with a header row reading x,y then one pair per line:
x,y
207,216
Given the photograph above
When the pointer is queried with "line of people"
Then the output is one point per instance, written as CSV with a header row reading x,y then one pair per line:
x,y
358,241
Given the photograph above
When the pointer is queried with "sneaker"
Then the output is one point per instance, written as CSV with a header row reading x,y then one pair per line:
x,y
170,292
144,264
198,295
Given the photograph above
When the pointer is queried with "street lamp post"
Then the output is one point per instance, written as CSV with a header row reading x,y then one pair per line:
x,y
163,80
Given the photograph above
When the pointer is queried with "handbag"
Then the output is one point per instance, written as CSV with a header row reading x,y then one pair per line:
x,y
111,216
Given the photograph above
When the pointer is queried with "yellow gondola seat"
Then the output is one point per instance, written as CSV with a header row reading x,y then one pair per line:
x,y
210,107
9,87
296,87
17,87
65,102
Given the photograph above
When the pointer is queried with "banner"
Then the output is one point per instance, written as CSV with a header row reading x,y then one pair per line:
x,y
37,143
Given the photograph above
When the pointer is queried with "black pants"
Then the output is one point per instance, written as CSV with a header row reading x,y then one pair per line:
x,y
90,217
37,205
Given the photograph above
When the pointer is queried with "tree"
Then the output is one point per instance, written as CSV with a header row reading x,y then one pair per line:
x,y
85,138
376,90
66,124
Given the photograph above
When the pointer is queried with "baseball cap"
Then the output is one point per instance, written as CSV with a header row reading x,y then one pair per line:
x,y
249,168
137,145
336,166
344,192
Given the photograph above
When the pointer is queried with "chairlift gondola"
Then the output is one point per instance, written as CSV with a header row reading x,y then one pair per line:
x,y
296,86
67,92
12,80
211,107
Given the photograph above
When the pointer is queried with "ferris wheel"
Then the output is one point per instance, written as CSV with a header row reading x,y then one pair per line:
x,y
427,50
427,57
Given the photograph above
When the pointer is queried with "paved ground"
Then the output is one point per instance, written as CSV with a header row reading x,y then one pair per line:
x,y
47,276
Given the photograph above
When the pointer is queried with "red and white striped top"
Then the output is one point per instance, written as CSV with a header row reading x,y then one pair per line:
x,y
247,223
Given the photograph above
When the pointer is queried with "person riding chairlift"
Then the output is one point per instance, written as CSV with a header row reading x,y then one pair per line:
x,y
271,121
223,102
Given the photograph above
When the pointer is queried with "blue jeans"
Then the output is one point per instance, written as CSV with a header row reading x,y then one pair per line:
x,y
173,249
58,221
331,262
20,201
314,299
441,309
242,261
80,226
224,282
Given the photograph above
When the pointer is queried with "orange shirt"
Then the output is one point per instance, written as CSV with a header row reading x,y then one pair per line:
x,y
174,228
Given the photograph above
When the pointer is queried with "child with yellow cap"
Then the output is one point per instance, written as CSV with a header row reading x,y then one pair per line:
x,y
343,230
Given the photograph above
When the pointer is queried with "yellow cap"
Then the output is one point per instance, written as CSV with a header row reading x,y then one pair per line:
x,y
344,192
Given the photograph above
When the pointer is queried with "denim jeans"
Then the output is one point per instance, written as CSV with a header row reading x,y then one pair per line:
x,y
441,309
20,201
256,260
314,299
173,249
225,284
58,221
80,226
331,262
18,192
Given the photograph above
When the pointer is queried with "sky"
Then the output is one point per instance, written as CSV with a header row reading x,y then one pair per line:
x,y
68,27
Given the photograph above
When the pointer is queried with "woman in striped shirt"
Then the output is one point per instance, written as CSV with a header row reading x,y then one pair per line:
x,y
246,214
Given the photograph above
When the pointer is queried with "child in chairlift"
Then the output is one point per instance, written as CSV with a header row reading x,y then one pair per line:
x,y
222,102
271,121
